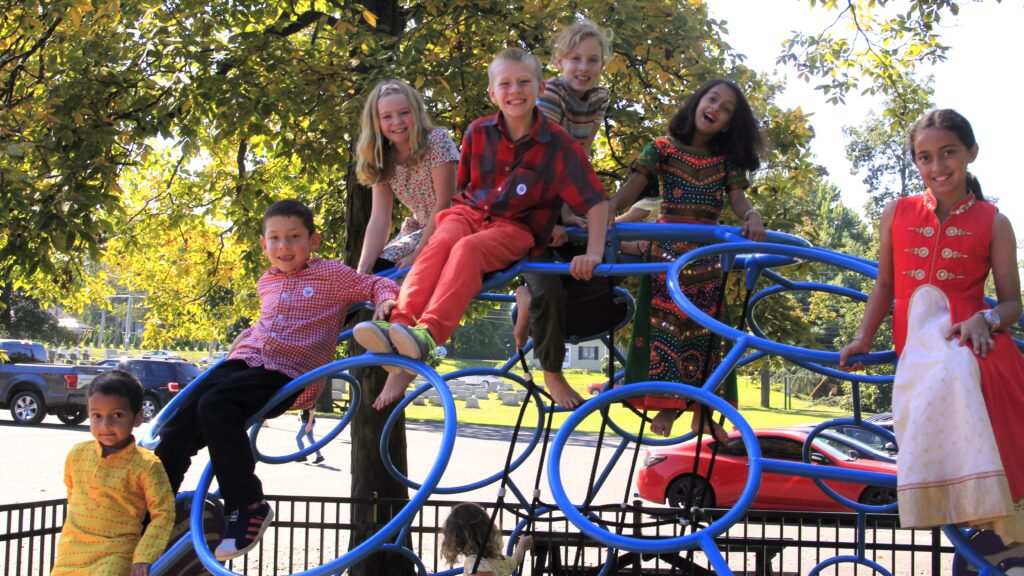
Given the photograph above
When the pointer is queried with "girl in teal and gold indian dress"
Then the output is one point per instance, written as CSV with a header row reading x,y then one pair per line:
x,y
712,143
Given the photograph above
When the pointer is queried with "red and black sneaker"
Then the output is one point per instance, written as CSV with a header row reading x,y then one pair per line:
x,y
245,528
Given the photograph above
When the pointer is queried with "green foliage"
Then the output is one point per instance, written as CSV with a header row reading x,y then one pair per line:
x,y
878,148
873,46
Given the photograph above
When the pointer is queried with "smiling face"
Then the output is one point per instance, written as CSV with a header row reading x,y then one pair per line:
x,y
581,67
714,112
942,159
111,420
514,88
395,119
287,242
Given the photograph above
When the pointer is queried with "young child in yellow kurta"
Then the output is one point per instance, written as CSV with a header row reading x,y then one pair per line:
x,y
112,484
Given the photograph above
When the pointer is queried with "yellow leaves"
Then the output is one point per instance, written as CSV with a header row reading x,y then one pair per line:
x,y
370,18
343,27
696,3
77,117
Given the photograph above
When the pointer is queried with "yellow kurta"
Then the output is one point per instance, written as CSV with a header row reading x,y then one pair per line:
x,y
107,501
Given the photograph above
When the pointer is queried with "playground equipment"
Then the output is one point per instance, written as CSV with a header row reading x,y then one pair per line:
x,y
758,262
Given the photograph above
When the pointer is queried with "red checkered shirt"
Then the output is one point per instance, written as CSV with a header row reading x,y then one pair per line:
x,y
527,180
302,314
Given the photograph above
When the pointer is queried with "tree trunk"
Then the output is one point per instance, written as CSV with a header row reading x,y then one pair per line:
x,y
766,382
370,479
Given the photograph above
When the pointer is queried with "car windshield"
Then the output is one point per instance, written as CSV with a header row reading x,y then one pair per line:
x,y
187,372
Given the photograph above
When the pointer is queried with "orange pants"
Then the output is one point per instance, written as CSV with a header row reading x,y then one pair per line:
x,y
449,271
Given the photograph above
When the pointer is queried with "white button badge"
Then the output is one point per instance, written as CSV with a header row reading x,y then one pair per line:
x,y
307,291
521,189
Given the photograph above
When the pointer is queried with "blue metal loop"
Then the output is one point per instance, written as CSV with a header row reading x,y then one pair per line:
x,y
518,461
403,518
648,545
849,560
298,384
828,490
794,353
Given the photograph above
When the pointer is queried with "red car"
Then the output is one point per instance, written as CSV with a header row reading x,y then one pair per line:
x,y
667,474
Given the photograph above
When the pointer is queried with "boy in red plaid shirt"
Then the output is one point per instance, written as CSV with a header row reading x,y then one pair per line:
x,y
516,170
303,302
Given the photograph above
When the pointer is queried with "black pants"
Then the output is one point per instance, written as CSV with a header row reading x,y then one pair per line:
x,y
216,418
562,307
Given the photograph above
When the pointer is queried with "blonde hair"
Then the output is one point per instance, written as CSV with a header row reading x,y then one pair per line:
x,y
466,525
570,37
516,55
373,160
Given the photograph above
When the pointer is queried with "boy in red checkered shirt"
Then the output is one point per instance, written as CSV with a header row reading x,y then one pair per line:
x,y
303,302
516,170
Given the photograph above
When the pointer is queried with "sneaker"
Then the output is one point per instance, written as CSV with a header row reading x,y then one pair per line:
x,y
319,459
373,335
415,343
244,530
300,459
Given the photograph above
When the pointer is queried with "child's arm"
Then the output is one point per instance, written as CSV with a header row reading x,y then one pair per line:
x,y
634,214
569,218
880,300
443,179
381,291
582,266
753,229
160,504
309,421
377,229
519,554
628,192
1003,254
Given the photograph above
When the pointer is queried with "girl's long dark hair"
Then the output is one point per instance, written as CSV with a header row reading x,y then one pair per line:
x,y
951,121
741,143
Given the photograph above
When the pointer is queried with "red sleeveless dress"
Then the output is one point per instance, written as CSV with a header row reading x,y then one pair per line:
x,y
942,267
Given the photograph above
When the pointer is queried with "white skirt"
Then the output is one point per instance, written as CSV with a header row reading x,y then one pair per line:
x,y
949,470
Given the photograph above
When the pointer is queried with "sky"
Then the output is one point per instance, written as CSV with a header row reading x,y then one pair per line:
x,y
980,79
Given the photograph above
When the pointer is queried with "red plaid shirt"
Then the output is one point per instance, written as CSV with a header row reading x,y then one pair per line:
x,y
302,313
526,181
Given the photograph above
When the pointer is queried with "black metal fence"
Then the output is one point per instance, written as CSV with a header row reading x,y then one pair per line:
x,y
311,531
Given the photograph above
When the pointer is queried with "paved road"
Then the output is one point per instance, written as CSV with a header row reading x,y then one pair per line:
x,y
34,460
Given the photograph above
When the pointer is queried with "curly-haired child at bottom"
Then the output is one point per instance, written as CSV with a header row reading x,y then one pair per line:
x,y
469,533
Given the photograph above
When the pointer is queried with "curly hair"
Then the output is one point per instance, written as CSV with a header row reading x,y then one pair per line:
x,y
373,158
466,526
741,144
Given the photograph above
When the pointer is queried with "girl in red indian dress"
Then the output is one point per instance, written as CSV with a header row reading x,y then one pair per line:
x,y
959,386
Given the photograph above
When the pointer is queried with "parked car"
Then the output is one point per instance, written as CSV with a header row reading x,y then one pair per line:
x,y
31,388
212,358
668,475
863,442
162,354
161,380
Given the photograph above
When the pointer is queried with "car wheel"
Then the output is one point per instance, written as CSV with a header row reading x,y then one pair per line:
x,y
150,406
27,407
72,415
678,492
877,496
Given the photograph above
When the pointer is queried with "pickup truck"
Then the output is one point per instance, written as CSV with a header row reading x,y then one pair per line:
x,y
31,388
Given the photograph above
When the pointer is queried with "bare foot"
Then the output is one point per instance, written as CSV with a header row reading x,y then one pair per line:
x,y
393,390
710,427
663,421
560,390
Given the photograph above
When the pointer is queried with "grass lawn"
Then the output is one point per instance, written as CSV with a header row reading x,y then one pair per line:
x,y
492,412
